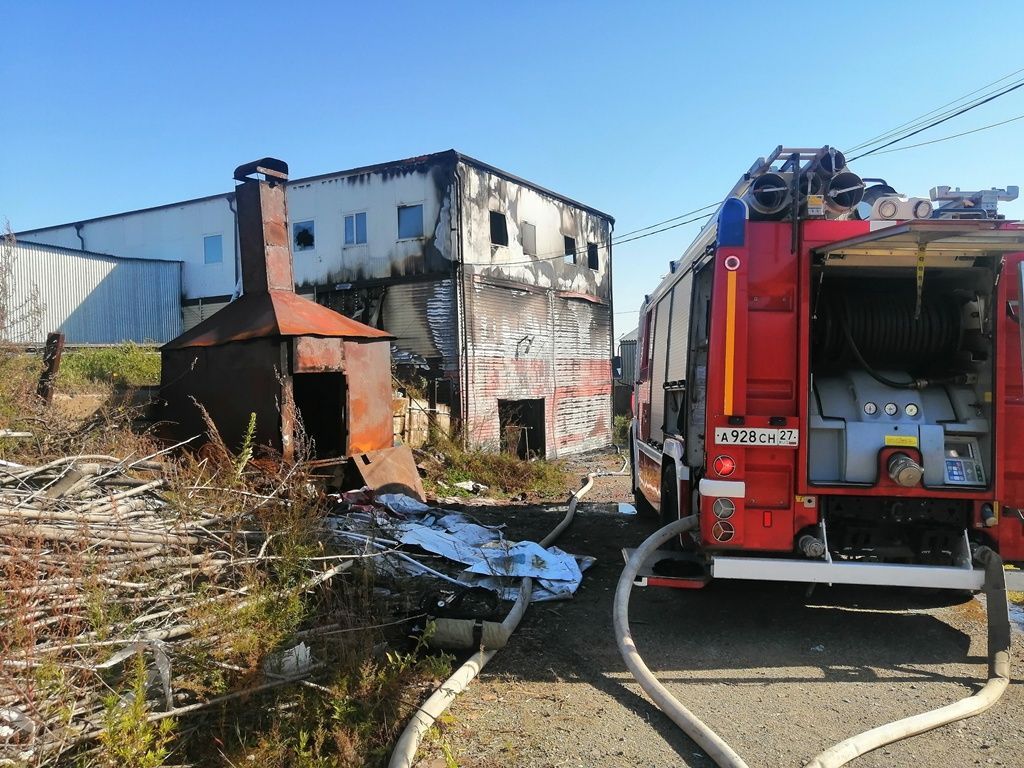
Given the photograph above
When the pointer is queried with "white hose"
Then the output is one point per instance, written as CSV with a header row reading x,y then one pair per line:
x,y
842,753
705,738
999,679
405,749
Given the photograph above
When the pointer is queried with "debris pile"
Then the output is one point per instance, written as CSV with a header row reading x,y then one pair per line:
x,y
461,551
107,570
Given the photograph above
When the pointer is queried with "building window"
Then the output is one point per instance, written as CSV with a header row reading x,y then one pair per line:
x,y
499,229
213,249
529,235
355,229
592,255
410,221
570,250
303,236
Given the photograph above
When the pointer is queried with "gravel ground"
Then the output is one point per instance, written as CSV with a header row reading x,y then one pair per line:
x,y
778,674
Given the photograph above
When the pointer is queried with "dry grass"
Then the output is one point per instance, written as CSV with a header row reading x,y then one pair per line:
x,y
446,462
138,566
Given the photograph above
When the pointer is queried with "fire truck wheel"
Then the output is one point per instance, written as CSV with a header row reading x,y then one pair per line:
x,y
670,501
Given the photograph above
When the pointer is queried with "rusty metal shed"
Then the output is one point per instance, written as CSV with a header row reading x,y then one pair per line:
x,y
273,353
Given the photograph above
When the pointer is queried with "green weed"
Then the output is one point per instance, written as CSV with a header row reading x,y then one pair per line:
x,y
129,738
503,473
127,365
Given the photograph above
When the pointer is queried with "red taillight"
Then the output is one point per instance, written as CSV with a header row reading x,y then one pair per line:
x,y
724,465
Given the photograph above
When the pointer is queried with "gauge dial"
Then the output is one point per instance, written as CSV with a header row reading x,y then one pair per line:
x,y
911,409
870,409
891,409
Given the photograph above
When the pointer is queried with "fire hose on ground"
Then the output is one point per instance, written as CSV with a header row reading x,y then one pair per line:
x,y
841,754
488,636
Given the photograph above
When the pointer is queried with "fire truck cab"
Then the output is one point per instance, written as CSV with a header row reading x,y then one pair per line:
x,y
831,379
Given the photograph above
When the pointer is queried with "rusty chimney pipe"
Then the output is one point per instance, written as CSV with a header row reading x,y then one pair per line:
x,y
263,240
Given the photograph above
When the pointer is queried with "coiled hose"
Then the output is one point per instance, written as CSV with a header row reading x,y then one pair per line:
x,y
841,754
460,633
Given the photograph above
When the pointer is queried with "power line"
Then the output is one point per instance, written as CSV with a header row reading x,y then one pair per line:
x,y
917,120
932,124
666,221
954,136
556,255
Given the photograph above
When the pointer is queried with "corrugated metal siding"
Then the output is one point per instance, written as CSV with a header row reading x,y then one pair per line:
x,y
679,329
659,359
96,299
583,340
533,344
509,356
422,316
627,351
193,314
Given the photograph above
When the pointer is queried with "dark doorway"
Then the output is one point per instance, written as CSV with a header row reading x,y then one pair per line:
x,y
522,427
320,403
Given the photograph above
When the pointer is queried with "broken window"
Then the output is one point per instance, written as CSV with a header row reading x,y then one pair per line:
x,y
410,221
570,249
355,229
499,228
529,235
303,238
592,255
213,249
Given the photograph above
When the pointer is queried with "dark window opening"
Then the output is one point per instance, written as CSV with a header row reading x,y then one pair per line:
x,y
320,405
570,250
529,236
592,256
303,235
499,228
522,427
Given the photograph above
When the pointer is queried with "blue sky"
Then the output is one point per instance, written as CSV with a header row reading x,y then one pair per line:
x,y
645,110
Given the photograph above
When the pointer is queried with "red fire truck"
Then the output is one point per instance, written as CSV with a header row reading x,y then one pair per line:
x,y
831,378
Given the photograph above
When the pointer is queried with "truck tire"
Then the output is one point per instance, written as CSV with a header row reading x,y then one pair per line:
x,y
670,500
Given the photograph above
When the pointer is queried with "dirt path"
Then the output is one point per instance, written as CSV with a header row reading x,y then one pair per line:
x,y
778,676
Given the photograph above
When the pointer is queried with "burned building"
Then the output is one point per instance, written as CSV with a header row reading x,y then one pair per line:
x,y
497,291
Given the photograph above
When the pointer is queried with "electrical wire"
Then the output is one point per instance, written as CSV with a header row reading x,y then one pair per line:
x,y
954,136
674,218
947,117
556,255
921,118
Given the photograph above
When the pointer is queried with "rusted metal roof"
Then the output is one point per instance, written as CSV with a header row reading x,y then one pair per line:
x,y
270,314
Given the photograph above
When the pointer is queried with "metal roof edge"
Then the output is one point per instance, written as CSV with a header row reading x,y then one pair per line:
x,y
431,158
91,254
105,217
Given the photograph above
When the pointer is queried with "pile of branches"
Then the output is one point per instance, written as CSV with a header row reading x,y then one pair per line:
x,y
127,591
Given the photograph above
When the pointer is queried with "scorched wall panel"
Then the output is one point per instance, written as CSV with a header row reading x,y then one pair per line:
x,y
510,356
583,376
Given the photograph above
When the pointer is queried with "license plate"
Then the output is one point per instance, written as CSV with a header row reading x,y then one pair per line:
x,y
787,438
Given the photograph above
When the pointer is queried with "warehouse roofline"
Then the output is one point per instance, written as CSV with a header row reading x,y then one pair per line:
x,y
429,159
80,252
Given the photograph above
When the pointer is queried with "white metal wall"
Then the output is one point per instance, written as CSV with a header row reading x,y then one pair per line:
x,y
93,299
171,233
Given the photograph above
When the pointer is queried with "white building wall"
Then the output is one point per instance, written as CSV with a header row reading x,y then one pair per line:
x,y
173,233
328,201
553,220
178,232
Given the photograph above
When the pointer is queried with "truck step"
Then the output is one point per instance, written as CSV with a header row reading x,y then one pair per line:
x,y
669,568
